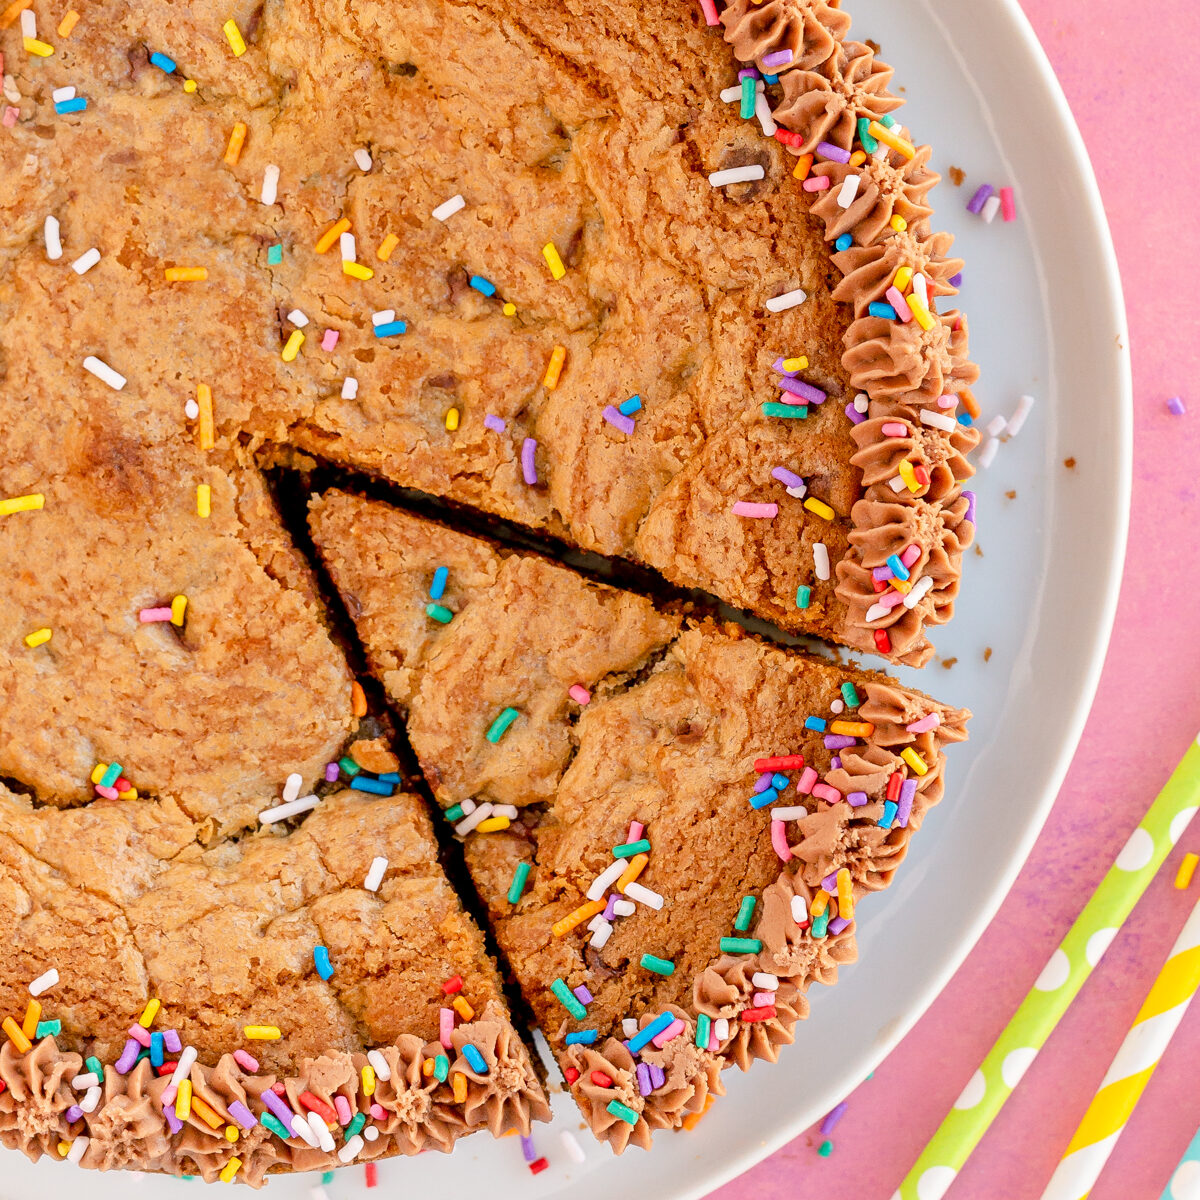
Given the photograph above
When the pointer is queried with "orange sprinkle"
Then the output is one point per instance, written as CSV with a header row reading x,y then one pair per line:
x,y
18,1039
33,1014
458,1082
389,243
237,139
186,274
204,402
463,1009
554,367
205,1113
358,700
858,158
637,864
68,23
970,403
859,729
691,1120
803,166
583,913
820,902
13,11
331,235
427,1068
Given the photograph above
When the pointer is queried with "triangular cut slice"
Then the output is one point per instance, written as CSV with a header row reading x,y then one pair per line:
x,y
670,822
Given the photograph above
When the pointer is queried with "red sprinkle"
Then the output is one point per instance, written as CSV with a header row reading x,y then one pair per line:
x,y
452,985
372,1171
600,1079
317,1105
883,643
750,1015
893,788
571,1074
168,1068
780,762
921,475
538,1165
278,1088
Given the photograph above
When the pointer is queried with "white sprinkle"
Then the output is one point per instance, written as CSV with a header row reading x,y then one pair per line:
x,y
938,420
624,908
86,261
61,94
79,1145
28,24
571,1146
643,895
383,317
918,592
468,806
881,151
375,874
281,812
876,613
371,1133
606,879
897,484
53,239
797,492
191,409
472,819
730,94
291,788
596,922
183,1066
787,300
270,184
91,1099
349,388
736,175
862,402
44,982
764,981
104,372
848,191
838,706
321,1132
600,937
505,810
762,110
793,813
11,92
297,318
348,247
379,1065
302,1130
348,1152
990,208
799,910
363,158
987,455
82,1082
721,1028
997,425
821,560
629,1026
445,211
1024,406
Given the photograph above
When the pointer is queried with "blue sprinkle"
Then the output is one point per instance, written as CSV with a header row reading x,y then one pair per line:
x,y
815,724
877,308
585,1036
779,782
162,62
388,328
844,242
889,815
475,1059
438,587
78,104
898,567
770,79
389,777
360,783
764,798
156,1050
965,418
321,962
483,285
274,255
644,1036
628,407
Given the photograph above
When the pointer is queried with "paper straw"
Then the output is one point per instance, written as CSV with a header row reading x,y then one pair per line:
x,y
1131,1069
1058,984
1185,1179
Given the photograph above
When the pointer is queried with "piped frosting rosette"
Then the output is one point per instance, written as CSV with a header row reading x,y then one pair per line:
x,y
810,30
868,271
893,186
36,1096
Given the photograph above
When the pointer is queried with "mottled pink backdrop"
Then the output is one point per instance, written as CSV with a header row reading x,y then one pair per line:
x,y
1129,71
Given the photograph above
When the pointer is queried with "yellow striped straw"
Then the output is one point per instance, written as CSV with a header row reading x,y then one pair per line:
x,y
1126,1079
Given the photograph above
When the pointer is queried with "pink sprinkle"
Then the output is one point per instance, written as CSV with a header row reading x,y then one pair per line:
x,y
925,724
246,1061
140,1034
898,302
168,1096
342,1106
763,999
1008,204
816,183
779,840
149,616
109,793
329,340
824,792
445,1026
579,694
947,401
910,554
744,508
889,600
378,1112
669,1034
895,429
636,829
808,777
714,1042
10,116
709,9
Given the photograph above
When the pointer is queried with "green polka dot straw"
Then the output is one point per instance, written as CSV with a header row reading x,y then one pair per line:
x,y
1058,984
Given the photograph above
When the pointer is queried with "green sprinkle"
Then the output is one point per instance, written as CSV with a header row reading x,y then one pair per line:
x,y
500,724
441,1068
820,924
441,614
48,1029
515,889
798,412
850,695
349,766
274,255
887,120
703,1030
745,912
629,849
111,775
869,144
568,1000
660,966
803,596
740,946
623,1111
454,814
275,1125
825,1149
360,1119
326,1176
749,95
95,1066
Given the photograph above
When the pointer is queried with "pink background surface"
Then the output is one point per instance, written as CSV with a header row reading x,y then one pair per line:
x,y
1124,68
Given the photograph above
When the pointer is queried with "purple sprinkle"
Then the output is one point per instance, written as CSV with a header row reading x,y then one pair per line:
x,y
643,1078
609,911
777,366
908,793
332,771
829,883
787,478
657,1076
528,1150
762,783
748,73
956,280
856,799
174,1124
881,574
806,391
171,1042
618,419
981,197
837,925
777,58
582,994
838,741
278,1107
73,1114
529,461
832,1117
128,1057
242,1115
494,423
835,763
1175,406
833,153
970,499
854,415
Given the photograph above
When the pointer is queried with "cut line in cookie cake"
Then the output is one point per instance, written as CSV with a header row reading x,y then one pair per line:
x,y
661,283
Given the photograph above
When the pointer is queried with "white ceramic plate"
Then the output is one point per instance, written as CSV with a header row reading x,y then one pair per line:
x,y
1047,318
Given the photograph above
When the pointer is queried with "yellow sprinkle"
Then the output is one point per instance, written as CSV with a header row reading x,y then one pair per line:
x,y
452,420
231,1133
13,11
819,507
894,140
205,427
206,1113
858,158
583,913
796,364
262,1033
458,1082
230,1169
902,279
356,270
149,1012
183,1100
920,311
331,235
637,864
898,223
186,274
389,243
368,1080
554,367
236,42
820,902
67,24
33,1014
294,342
509,309
178,608
845,893
237,139
16,504
914,760
132,794
1187,869
41,49
39,637
189,86
203,500
902,585
908,475
858,729
64,1148
553,261
98,772
463,1008
493,825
